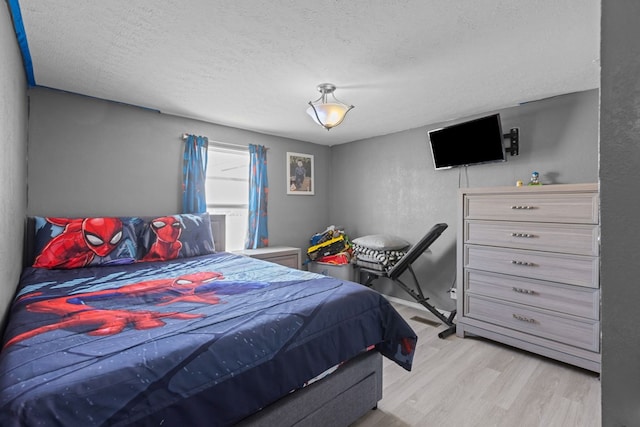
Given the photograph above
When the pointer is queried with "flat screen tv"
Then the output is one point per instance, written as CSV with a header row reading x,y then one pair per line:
x,y
469,143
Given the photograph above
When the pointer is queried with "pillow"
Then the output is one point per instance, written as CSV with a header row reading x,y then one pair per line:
x,y
381,242
66,243
177,236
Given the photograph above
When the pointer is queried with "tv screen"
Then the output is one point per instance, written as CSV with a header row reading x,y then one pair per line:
x,y
470,143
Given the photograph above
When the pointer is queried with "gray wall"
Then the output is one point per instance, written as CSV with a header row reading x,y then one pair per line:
x,y
388,184
620,205
13,158
94,157
90,157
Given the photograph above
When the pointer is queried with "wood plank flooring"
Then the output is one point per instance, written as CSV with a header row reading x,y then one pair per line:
x,y
476,382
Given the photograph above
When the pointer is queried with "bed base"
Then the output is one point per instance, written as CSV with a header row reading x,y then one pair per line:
x,y
337,400
405,264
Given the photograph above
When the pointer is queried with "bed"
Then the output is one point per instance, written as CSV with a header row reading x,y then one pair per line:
x,y
200,339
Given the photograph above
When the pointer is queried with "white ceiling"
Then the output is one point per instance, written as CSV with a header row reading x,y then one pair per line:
x,y
254,64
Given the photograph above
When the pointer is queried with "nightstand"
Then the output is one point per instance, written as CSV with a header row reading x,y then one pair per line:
x,y
283,255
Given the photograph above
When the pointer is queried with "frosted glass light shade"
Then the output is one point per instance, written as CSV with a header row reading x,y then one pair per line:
x,y
330,114
327,114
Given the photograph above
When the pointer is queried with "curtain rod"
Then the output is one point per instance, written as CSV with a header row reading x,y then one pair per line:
x,y
219,143
222,144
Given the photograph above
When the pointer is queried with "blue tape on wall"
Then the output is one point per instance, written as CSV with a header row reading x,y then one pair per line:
x,y
18,26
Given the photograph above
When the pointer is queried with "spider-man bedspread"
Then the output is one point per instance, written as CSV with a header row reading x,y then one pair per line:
x,y
119,344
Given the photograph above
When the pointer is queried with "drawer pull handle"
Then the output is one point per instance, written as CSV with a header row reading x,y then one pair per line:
x,y
523,291
522,235
526,264
524,319
523,207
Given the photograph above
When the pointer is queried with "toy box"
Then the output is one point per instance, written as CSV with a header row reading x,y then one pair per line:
x,y
339,271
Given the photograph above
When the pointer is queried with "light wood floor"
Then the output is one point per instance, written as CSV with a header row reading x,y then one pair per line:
x,y
476,382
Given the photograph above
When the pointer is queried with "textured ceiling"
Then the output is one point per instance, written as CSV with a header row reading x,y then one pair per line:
x,y
255,64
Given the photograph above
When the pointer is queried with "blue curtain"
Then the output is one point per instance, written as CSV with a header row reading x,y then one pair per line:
x,y
194,174
258,234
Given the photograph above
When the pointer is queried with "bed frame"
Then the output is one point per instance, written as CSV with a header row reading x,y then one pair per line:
x,y
337,400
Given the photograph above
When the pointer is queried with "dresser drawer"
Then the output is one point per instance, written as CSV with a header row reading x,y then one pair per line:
x,y
573,300
563,329
581,208
571,269
581,239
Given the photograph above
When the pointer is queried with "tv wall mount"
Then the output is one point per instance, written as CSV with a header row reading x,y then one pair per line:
x,y
514,138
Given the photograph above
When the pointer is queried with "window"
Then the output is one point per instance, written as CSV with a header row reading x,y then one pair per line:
x,y
228,191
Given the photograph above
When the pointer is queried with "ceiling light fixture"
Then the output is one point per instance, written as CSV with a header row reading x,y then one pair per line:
x,y
327,114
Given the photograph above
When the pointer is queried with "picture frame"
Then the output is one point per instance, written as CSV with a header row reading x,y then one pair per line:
x,y
300,174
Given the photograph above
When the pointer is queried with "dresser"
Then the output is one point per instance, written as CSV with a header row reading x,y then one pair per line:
x,y
528,269
283,255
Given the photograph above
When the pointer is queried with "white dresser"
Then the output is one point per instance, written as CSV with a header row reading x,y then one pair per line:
x,y
528,269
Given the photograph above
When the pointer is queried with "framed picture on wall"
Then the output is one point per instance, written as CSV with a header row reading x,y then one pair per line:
x,y
300,174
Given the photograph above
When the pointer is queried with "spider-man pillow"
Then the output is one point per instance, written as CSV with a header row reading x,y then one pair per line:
x,y
177,236
66,243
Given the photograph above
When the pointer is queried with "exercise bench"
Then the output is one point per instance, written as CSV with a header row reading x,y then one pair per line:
x,y
405,264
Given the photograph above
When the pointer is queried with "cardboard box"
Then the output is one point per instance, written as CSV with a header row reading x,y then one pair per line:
x,y
339,271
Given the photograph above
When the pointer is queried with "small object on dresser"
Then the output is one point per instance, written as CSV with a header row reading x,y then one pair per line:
x,y
535,179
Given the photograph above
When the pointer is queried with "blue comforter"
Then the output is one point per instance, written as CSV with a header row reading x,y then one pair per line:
x,y
155,342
